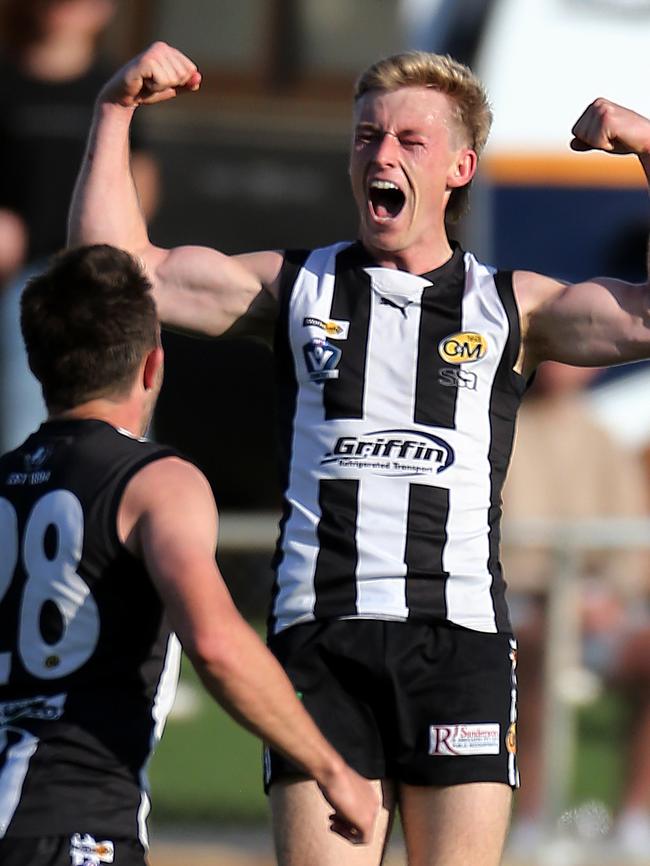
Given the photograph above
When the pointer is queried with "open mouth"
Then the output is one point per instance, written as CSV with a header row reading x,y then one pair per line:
x,y
386,199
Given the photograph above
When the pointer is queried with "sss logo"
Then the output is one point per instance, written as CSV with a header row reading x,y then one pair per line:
x,y
465,347
321,359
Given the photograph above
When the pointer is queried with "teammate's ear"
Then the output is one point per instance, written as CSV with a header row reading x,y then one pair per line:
x,y
153,366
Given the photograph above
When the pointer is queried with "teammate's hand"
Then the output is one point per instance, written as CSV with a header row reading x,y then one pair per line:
x,y
356,805
604,125
158,74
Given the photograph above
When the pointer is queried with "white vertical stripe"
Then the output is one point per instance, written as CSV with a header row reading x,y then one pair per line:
x,y
14,771
312,296
389,397
467,552
162,704
381,570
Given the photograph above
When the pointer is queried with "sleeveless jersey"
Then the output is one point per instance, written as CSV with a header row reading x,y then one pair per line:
x,y
88,666
398,399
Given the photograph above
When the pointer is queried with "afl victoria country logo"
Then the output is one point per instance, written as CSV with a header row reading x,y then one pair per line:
x,y
465,347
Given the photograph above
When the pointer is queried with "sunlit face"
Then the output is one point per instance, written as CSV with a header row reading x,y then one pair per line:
x,y
407,155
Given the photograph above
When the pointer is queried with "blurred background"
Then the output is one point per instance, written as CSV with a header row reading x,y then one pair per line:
x,y
258,159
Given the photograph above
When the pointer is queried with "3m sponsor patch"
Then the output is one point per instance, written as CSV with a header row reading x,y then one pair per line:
x,y
336,329
460,740
465,347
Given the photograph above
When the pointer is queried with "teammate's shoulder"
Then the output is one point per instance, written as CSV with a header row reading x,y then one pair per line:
x,y
170,475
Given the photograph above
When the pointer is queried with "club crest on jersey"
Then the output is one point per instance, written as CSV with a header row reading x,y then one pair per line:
x,y
460,740
85,851
321,359
37,458
465,347
392,452
336,329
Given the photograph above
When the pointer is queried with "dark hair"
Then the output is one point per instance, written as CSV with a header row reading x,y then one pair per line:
x,y
87,322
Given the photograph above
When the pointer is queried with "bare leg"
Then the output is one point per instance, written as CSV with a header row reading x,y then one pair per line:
x,y
300,817
457,825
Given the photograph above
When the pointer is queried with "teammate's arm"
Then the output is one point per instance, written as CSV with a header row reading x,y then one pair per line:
x,y
601,321
197,289
168,518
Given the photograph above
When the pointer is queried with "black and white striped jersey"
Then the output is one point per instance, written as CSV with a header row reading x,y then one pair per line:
x,y
88,666
398,399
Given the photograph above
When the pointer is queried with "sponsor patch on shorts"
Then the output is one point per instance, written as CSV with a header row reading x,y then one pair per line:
x,y
459,740
85,851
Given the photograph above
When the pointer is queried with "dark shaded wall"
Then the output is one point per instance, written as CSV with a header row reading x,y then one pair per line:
x,y
217,404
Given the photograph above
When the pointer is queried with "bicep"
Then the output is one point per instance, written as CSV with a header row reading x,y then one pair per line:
x,y
202,291
594,323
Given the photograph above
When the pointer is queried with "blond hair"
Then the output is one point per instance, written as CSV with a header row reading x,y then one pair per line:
x,y
470,107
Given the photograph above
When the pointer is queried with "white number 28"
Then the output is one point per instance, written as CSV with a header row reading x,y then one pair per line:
x,y
49,579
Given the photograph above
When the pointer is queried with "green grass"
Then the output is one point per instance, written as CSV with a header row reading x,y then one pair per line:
x,y
601,751
209,770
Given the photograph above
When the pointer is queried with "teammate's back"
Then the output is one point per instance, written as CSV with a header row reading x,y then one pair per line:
x,y
86,653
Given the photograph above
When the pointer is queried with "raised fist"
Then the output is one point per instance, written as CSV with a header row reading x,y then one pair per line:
x,y
604,125
158,74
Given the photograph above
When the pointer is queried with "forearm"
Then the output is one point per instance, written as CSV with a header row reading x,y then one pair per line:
x,y
105,206
251,686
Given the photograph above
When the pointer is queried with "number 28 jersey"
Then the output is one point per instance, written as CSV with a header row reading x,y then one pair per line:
x,y
398,398
88,666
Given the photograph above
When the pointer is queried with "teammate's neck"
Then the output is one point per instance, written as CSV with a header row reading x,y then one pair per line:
x,y
123,414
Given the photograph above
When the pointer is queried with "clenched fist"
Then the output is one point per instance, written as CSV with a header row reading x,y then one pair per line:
x,y
604,125
158,74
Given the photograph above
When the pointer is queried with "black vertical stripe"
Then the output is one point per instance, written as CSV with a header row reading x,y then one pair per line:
x,y
287,391
441,316
343,397
507,391
336,564
426,537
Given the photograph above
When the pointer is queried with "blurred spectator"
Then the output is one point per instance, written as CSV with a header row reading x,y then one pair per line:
x,y
566,467
50,73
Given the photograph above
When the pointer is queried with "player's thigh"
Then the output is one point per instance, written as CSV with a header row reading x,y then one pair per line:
x,y
455,825
66,850
301,828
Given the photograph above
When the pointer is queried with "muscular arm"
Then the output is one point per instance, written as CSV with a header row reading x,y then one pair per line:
x,y
601,321
197,289
168,518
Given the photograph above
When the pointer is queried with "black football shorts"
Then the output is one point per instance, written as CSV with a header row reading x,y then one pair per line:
x,y
420,703
70,850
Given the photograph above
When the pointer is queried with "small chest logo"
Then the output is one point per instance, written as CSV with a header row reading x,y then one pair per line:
x,y
321,359
465,347
336,329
